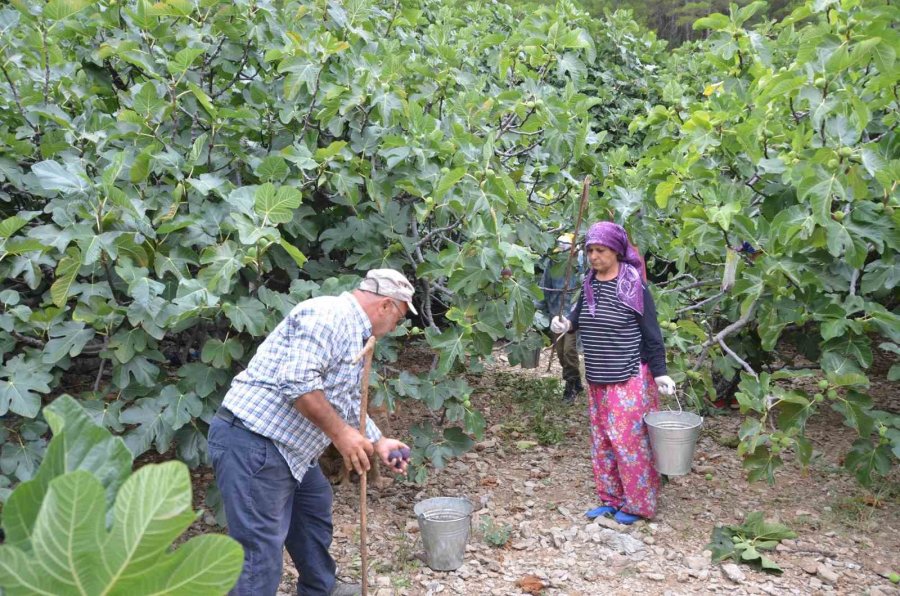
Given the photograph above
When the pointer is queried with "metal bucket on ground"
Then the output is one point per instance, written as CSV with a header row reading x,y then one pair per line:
x,y
444,523
673,436
531,358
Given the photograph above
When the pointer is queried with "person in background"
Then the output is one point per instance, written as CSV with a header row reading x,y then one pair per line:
x,y
625,367
552,283
299,393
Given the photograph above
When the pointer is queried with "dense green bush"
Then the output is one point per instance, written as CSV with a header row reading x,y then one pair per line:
x,y
767,185
175,176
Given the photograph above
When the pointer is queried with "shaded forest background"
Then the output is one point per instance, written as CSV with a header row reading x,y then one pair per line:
x,y
672,20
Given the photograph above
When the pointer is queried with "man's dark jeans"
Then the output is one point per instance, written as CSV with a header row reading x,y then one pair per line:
x,y
267,509
567,353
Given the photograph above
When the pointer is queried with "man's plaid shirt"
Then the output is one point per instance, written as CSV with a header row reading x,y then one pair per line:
x,y
312,348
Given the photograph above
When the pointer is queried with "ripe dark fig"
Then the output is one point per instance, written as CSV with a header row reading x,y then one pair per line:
x,y
399,456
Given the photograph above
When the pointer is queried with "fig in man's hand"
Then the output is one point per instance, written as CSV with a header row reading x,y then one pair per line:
x,y
399,456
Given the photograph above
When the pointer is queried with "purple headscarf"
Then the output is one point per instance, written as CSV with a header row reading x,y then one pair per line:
x,y
629,289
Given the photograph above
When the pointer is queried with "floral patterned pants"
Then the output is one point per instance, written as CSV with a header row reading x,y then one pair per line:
x,y
620,444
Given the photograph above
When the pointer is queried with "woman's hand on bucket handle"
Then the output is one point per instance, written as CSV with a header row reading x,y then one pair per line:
x,y
560,325
665,384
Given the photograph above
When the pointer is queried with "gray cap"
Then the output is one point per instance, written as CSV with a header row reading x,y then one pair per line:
x,y
390,283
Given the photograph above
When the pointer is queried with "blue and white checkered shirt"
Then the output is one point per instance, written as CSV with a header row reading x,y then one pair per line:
x,y
312,348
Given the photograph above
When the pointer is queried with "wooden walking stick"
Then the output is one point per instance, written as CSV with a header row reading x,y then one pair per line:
x,y
585,189
367,352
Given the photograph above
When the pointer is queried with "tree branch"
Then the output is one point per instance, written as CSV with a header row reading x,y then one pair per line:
x,y
28,341
740,360
696,284
15,95
734,327
435,232
700,304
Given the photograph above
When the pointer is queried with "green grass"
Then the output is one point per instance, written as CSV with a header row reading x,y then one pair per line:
x,y
540,406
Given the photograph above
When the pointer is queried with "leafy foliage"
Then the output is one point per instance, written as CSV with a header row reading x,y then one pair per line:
x,y
774,150
177,175
62,536
742,543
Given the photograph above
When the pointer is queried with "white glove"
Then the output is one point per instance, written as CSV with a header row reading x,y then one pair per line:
x,y
560,325
665,384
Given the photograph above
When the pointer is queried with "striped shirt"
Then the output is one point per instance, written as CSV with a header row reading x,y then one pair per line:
x,y
311,349
611,339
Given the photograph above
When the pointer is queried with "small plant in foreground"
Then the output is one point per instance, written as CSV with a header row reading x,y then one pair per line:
x,y
742,543
497,535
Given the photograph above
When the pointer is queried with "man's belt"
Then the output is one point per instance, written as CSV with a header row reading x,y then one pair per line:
x,y
229,417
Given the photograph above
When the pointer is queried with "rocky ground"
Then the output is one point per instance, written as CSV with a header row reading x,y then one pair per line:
x,y
530,536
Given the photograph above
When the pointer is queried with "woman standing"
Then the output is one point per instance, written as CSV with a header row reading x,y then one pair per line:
x,y
625,366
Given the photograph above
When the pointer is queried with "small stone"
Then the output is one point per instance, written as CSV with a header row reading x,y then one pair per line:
x,y
696,563
809,565
606,522
827,574
657,577
733,572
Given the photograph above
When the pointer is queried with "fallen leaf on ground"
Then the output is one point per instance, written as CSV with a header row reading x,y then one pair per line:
x,y
531,584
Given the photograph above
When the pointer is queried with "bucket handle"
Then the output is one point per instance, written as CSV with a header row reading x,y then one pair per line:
x,y
678,401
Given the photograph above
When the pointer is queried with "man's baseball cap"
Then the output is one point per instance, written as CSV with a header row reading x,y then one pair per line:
x,y
564,242
390,283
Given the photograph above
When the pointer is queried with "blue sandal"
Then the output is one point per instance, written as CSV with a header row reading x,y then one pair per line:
x,y
626,519
602,511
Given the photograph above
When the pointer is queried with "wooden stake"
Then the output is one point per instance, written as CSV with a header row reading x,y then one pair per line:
x,y
585,190
367,352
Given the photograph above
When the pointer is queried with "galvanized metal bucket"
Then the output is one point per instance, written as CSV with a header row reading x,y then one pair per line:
x,y
673,436
531,358
444,523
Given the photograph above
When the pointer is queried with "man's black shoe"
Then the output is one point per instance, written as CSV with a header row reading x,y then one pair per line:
x,y
570,392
